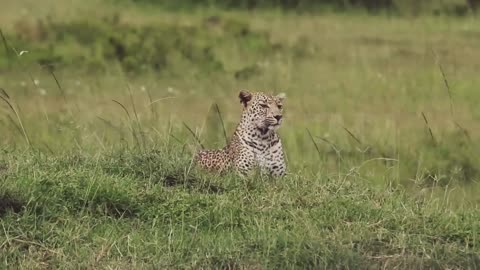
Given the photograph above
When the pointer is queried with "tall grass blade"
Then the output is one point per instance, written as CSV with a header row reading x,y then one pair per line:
x,y
110,124
334,147
447,86
7,51
5,43
464,130
314,143
19,54
221,121
139,126
352,135
62,92
428,127
176,139
160,99
130,122
5,97
445,80
194,135
17,127
152,109
124,108
4,93
48,148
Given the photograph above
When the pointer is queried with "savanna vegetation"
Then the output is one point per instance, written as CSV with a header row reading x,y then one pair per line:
x,y
103,103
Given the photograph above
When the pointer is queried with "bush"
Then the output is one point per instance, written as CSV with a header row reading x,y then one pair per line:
x,y
159,48
456,7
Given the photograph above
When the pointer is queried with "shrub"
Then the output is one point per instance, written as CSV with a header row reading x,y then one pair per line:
x,y
160,47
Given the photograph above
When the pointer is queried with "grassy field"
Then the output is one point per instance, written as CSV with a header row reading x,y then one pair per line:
x,y
381,134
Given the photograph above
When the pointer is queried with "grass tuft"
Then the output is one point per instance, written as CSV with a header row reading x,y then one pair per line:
x,y
6,98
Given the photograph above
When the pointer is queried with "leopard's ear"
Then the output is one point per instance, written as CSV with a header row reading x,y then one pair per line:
x,y
245,97
281,96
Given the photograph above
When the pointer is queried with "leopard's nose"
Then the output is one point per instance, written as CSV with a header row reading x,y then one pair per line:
x,y
278,117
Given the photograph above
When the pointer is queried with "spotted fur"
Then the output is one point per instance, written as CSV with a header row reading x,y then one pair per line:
x,y
255,142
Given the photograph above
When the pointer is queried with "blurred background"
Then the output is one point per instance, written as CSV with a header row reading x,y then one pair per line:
x,y
388,87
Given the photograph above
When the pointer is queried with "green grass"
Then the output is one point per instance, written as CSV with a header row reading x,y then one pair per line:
x,y
130,209
95,160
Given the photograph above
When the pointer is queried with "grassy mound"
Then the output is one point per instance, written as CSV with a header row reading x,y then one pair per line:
x,y
133,209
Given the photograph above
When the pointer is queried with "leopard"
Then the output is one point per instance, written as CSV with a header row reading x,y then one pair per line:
x,y
255,143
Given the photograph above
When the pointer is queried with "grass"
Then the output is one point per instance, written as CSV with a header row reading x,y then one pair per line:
x,y
381,135
129,209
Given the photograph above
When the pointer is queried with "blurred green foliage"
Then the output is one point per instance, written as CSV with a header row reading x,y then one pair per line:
x,y
454,7
96,45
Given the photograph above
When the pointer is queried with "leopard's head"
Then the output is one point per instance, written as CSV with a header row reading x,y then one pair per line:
x,y
262,110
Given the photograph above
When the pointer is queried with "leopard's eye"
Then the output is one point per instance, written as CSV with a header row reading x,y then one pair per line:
x,y
280,107
263,105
